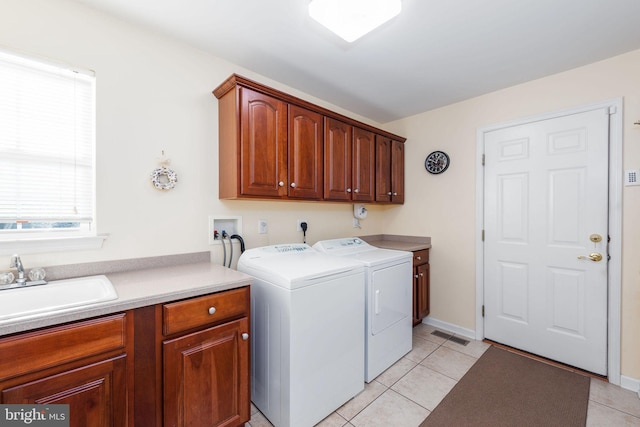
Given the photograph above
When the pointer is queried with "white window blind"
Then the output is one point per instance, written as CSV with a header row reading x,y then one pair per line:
x,y
47,142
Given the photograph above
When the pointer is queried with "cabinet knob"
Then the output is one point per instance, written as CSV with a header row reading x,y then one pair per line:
x,y
281,184
348,190
421,274
395,194
389,193
212,310
418,257
416,276
293,185
356,191
245,336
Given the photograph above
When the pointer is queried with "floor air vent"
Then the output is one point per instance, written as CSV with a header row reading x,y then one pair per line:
x,y
450,337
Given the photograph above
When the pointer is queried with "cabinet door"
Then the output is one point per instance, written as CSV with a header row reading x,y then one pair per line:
x,y
337,153
305,153
363,165
422,291
263,145
389,170
206,377
383,169
397,172
96,393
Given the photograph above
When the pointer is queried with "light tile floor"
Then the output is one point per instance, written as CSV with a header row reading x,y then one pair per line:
x,y
405,393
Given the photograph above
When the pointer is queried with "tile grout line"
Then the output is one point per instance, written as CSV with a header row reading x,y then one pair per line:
x,y
387,388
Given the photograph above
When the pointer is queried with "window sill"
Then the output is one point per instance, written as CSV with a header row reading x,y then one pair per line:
x,y
45,245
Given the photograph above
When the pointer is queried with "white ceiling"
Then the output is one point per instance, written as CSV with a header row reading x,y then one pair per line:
x,y
433,54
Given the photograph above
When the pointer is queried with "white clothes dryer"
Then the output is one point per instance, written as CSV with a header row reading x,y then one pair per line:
x,y
307,318
389,293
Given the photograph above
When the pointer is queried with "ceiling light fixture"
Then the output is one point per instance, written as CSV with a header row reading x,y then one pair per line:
x,y
351,19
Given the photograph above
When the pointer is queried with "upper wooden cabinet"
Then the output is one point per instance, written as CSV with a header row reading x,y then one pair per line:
x,y
389,170
337,154
349,162
274,145
305,153
277,153
364,152
257,164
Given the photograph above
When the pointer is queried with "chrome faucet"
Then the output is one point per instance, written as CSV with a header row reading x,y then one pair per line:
x,y
16,263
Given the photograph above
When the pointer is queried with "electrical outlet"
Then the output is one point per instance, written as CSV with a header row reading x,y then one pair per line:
x,y
263,227
300,221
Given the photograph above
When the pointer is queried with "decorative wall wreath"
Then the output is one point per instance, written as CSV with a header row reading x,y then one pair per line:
x,y
164,178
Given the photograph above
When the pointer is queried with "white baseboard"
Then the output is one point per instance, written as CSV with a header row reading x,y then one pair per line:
x,y
458,330
629,383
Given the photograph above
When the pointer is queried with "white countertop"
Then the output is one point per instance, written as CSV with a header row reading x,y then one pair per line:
x,y
141,288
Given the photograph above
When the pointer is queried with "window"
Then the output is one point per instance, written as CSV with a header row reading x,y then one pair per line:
x,y
47,145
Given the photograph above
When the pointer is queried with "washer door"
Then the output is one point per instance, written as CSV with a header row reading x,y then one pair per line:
x,y
390,298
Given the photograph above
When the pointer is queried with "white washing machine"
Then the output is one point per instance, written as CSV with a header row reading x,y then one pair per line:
x,y
307,318
389,294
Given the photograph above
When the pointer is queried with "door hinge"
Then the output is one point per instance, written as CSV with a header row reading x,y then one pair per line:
x,y
483,311
483,235
483,160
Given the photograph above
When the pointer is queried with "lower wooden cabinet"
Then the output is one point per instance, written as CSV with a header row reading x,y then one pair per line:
x,y
184,363
192,362
83,364
206,377
96,393
421,283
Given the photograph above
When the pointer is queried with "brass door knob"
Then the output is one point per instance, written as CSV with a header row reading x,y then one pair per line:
x,y
595,257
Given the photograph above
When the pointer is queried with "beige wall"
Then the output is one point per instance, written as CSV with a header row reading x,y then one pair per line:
x,y
444,206
154,94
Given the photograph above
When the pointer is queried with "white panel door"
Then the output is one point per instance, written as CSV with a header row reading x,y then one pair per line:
x,y
546,201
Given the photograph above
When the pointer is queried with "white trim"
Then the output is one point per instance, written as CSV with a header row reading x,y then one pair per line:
x,y
629,383
615,223
458,330
60,244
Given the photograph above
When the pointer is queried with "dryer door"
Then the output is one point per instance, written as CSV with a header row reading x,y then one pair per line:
x,y
390,294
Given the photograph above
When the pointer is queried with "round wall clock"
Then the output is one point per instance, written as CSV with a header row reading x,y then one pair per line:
x,y
436,162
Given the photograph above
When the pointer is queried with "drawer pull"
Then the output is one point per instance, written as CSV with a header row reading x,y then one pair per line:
x,y
418,257
212,310
245,336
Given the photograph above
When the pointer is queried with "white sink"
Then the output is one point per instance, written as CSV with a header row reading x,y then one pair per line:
x,y
54,297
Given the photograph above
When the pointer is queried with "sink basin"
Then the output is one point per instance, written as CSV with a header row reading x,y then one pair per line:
x,y
54,297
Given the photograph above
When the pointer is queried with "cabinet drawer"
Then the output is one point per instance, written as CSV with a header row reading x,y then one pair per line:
x,y
421,257
184,315
33,351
